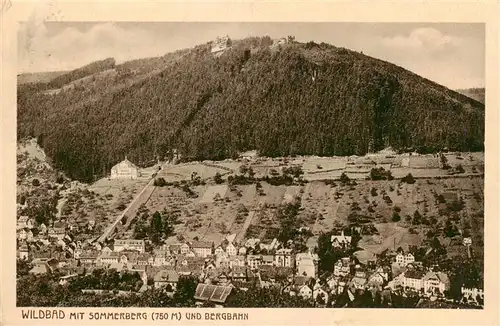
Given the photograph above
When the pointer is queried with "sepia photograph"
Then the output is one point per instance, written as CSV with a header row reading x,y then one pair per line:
x,y
242,164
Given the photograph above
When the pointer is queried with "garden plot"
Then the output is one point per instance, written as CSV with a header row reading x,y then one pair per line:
x,y
425,162
172,173
212,193
291,193
273,194
465,159
390,237
249,195
222,223
322,175
326,164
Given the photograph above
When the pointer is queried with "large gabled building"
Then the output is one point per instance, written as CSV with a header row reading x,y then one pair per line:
x,y
125,170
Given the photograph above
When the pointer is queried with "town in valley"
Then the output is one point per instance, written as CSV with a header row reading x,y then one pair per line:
x,y
377,231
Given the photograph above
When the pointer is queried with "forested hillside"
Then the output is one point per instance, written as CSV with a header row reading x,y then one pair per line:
x,y
292,99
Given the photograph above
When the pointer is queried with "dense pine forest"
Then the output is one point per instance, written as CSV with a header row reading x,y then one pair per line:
x,y
291,99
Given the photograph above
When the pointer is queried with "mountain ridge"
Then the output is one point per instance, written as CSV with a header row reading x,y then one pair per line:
x,y
295,99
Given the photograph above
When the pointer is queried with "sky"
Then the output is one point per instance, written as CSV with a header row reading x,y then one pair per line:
x,y
451,54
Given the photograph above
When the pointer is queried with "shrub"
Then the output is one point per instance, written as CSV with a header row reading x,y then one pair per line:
x,y
373,192
409,179
218,178
159,182
380,174
344,178
395,217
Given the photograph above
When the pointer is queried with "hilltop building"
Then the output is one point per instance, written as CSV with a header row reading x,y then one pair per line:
x,y
125,170
220,44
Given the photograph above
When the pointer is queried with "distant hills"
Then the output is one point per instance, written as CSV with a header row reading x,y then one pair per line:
x,y
38,77
293,98
476,93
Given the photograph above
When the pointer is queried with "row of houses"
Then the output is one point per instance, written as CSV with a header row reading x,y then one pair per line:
x,y
26,229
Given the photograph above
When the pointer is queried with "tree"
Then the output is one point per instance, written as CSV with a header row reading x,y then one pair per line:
x,y
409,179
344,178
218,178
243,169
35,182
184,295
395,217
417,218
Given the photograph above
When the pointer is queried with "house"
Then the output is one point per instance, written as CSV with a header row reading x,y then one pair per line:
x,y
238,273
129,244
299,282
162,258
280,41
269,245
252,243
242,251
210,265
61,243
307,264
23,252
472,294
22,234
88,257
106,249
284,258
212,293
63,280
231,250
222,278
305,291
319,293
222,261
359,272
412,279
384,271
184,248
467,241
174,249
202,248
358,282
403,260
190,254
97,246
109,257
376,280
219,251
341,241
129,257
125,170
253,261
40,268
342,267
236,261
267,260
435,282
165,278
22,222
42,229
